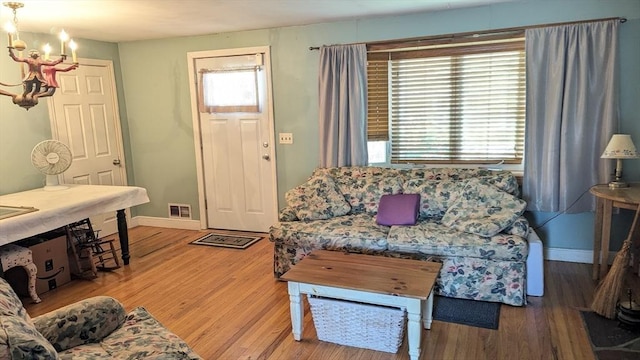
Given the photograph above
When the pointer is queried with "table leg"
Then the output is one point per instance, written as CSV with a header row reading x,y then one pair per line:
x,y
414,330
297,311
427,311
606,236
123,234
597,238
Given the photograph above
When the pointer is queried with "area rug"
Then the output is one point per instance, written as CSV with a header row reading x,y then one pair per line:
x,y
467,312
608,340
225,240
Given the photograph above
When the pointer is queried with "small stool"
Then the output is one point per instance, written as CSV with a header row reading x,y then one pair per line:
x,y
13,255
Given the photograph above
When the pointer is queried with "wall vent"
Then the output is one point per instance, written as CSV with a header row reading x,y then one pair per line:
x,y
182,211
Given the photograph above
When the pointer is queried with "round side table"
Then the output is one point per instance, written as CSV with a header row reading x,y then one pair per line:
x,y
607,199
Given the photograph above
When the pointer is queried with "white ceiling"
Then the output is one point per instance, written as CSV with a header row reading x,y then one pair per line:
x,y
127,20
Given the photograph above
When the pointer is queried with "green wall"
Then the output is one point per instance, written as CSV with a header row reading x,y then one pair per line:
x,y
158,123
21,130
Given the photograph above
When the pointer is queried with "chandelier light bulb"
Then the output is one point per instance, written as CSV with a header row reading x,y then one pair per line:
x,y
47,51
10,29
64,37
73,46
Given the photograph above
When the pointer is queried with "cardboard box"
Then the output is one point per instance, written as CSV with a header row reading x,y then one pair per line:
x,y
50,257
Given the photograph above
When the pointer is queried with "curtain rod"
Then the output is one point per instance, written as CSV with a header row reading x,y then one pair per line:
x,y
472,33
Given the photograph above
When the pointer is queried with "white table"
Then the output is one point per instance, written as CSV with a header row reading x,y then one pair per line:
x,y
368,279
62,207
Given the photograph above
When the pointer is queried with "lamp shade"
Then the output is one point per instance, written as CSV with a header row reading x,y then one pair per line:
x,y
620,147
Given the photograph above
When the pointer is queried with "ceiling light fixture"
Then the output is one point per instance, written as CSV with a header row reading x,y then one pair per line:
x,y
39,76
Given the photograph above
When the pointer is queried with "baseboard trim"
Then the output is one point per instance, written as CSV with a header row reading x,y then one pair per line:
x,y
573,255
166,222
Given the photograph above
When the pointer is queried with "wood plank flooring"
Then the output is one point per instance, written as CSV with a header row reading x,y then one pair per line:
x,y
226,304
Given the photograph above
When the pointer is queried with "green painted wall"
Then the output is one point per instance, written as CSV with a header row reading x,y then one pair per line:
x,y
21,130
158,123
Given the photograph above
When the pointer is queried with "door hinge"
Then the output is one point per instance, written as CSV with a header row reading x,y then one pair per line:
x,y
206,206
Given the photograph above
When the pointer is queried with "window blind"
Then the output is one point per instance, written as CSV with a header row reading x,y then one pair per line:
x,y
378,100
457,104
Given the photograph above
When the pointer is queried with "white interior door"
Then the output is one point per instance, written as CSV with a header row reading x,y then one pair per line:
x,y
84,116
237,154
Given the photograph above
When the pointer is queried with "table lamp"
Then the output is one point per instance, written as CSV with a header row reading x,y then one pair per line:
x,y
620,147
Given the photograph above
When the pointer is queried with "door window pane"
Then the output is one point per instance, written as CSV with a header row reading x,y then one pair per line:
x,y
230,91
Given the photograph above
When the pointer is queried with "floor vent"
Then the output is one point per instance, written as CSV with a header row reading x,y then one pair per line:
x,y
181,211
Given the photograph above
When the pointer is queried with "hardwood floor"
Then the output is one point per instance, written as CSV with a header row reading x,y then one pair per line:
x,y
226,304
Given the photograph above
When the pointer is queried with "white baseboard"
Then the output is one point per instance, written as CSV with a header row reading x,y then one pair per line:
x,y
573,255
165,222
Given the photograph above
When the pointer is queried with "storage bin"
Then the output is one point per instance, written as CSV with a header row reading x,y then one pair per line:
x,y
360,325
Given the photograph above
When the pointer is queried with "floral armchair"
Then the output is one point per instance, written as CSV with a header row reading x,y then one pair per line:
x,y
95,328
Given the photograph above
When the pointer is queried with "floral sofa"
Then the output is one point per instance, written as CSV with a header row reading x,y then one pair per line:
x,y
96,328
468,219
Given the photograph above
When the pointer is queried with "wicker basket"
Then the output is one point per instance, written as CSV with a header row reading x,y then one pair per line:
x,y
361,325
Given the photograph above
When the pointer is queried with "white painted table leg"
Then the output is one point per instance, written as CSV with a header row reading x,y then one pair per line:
x,y
414,330
427,311
297,311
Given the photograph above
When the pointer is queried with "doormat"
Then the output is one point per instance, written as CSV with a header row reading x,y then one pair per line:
x,y
608,340
481,314
230,241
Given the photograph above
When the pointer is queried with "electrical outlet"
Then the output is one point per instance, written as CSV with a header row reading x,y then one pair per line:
x,y
286,138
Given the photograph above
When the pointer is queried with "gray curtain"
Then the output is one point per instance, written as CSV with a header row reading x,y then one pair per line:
x,y
343,105
572,111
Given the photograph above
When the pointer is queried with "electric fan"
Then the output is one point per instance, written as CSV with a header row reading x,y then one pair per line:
x,y
51,158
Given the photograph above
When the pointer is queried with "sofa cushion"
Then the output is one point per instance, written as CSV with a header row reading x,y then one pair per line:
x,y
444,173
24,341
317,199
398,209
347,173
86,351
504,180
358,231
436,196
430,237
364,193
144,337
519,227
19,338
483,209
82,322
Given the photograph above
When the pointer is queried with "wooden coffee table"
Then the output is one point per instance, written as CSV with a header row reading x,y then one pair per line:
x,y
368,279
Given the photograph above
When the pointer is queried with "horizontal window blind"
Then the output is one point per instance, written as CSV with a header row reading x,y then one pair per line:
x,y
378,100
458,109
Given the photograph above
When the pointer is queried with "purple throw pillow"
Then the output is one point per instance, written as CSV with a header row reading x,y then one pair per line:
x,y
398,209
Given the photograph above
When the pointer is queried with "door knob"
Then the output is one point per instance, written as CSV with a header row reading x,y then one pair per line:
x,y
116,162
266,156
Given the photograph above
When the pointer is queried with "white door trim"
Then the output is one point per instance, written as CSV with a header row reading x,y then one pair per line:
x,y
116,114
197,136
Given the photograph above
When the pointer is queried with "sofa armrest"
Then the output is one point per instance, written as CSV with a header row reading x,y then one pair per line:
x,y
86,321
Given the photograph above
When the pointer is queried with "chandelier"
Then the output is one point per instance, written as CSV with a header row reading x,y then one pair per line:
x,y
38,72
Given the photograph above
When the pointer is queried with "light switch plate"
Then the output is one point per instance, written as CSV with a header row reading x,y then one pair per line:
x,y
286,138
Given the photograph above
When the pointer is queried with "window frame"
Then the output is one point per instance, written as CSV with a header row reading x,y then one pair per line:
x,y
451,46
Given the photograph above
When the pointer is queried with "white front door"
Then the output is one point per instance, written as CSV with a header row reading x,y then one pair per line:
x,y
237,154
84,116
